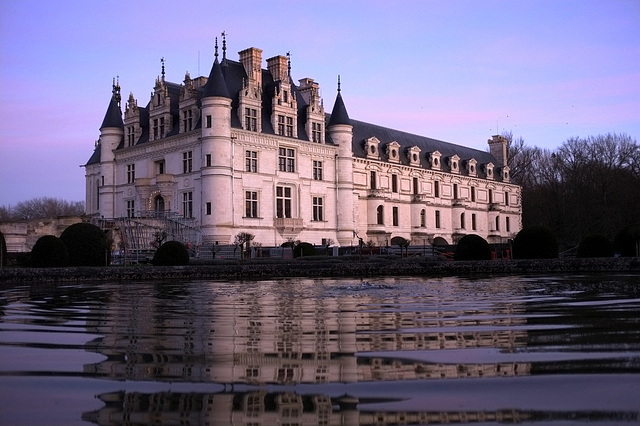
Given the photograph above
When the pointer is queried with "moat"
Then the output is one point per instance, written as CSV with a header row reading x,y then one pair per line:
x,y
527,349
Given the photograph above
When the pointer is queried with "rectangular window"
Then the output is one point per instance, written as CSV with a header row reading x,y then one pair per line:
x,y
455,191
317,170
130,135
208,160
396,218
394,183
316,132
497,223
437,218
187,204
251,204
473,221
131,211
283,201
506,198
507,224
436,189
251,161
155,128
161,127
131,173
416,189
491,196
251,119
208,121
187,162
318,213
281,125
187,120
286,160
473,193
160,167
290,126
423,218
372,180
208,209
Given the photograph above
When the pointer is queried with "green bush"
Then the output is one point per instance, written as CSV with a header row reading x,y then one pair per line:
x,y
535,242
627,241
304,250
595,246
3,249
171,253
49,252
472,247
87,245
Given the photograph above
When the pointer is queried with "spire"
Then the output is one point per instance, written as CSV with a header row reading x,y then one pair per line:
x,y
216,54
162,61
113,117
224,46
339,114
289,65
216,85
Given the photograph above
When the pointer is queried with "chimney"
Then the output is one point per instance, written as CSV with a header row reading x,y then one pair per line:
x,y
278,67
498,148
251,59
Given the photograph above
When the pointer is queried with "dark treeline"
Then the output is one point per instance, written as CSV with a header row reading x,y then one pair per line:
x,y
39,208
586,186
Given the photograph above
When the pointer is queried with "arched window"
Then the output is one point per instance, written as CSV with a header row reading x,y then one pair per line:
x,y
462,226
158,204
380,214
423,218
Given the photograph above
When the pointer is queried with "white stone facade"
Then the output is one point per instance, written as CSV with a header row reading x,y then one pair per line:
x,y
247,150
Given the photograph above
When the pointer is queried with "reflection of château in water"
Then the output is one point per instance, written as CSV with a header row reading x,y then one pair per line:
x,y
267,338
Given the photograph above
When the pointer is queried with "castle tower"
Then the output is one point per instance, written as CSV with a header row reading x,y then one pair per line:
x,y
341,132
111,135
498,148
217,167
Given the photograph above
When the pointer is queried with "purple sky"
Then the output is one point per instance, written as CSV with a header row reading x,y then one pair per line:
x,y
452,70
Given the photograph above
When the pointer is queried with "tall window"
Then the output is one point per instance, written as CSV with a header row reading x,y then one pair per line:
x,y
423,218
161,127
251,161
455,191
491,195
507,224
187,204
473,193
251,204
187,120
131,133
497,223
396,219
416,188
394,183
316,132
436,189
372,180
208,209
473,221
160,167
318,211
290,126
207,158
317,170
187,162
286,160
462,224
131,210
283,201
155,128
380,215
281,125
208,121
506,198
437,218
251,119
131,173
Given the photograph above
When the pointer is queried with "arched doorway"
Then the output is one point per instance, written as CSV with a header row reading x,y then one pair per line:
x,y
158,204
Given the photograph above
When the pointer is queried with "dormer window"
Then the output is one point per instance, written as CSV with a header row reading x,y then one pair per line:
x,y
393,152
472,167
316,132
414,156
187,120
371,145
435,160
505,174
489,170
454,164
251,119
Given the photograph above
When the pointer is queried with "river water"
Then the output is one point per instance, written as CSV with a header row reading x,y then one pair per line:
x,y
407,350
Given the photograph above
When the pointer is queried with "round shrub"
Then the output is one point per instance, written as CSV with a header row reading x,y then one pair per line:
x,y
627,241
87,245
472,247
49,252
535,242
304,250
171,253
595,246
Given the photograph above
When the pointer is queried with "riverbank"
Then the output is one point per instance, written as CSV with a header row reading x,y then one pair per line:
x,y
320,267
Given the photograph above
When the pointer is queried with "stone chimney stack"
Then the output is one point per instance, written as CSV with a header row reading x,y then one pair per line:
x,y
251,59
278,67
498,148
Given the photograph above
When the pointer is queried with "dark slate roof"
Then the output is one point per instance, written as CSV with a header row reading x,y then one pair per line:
x,y
363,131
95,157
339,114
216,85
113,117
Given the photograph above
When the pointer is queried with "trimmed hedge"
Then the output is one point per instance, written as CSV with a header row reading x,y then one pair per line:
x,y
595,246
49,252
304,250
171,253
627,241
87,245
535,242
472,247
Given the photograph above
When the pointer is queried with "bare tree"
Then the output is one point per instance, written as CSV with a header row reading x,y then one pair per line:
x,y
43,207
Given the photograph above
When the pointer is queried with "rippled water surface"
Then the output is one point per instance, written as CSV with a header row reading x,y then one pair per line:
x,y
543,350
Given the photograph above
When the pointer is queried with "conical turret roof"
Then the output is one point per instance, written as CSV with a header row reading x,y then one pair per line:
x,y
113,117
339,113
216,85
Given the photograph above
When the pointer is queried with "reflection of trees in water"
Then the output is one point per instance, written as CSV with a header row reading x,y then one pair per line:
x,y
262,407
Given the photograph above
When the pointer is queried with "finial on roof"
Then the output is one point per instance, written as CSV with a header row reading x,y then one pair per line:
x,y
216,54
338,83
162,60
289,64
224,45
